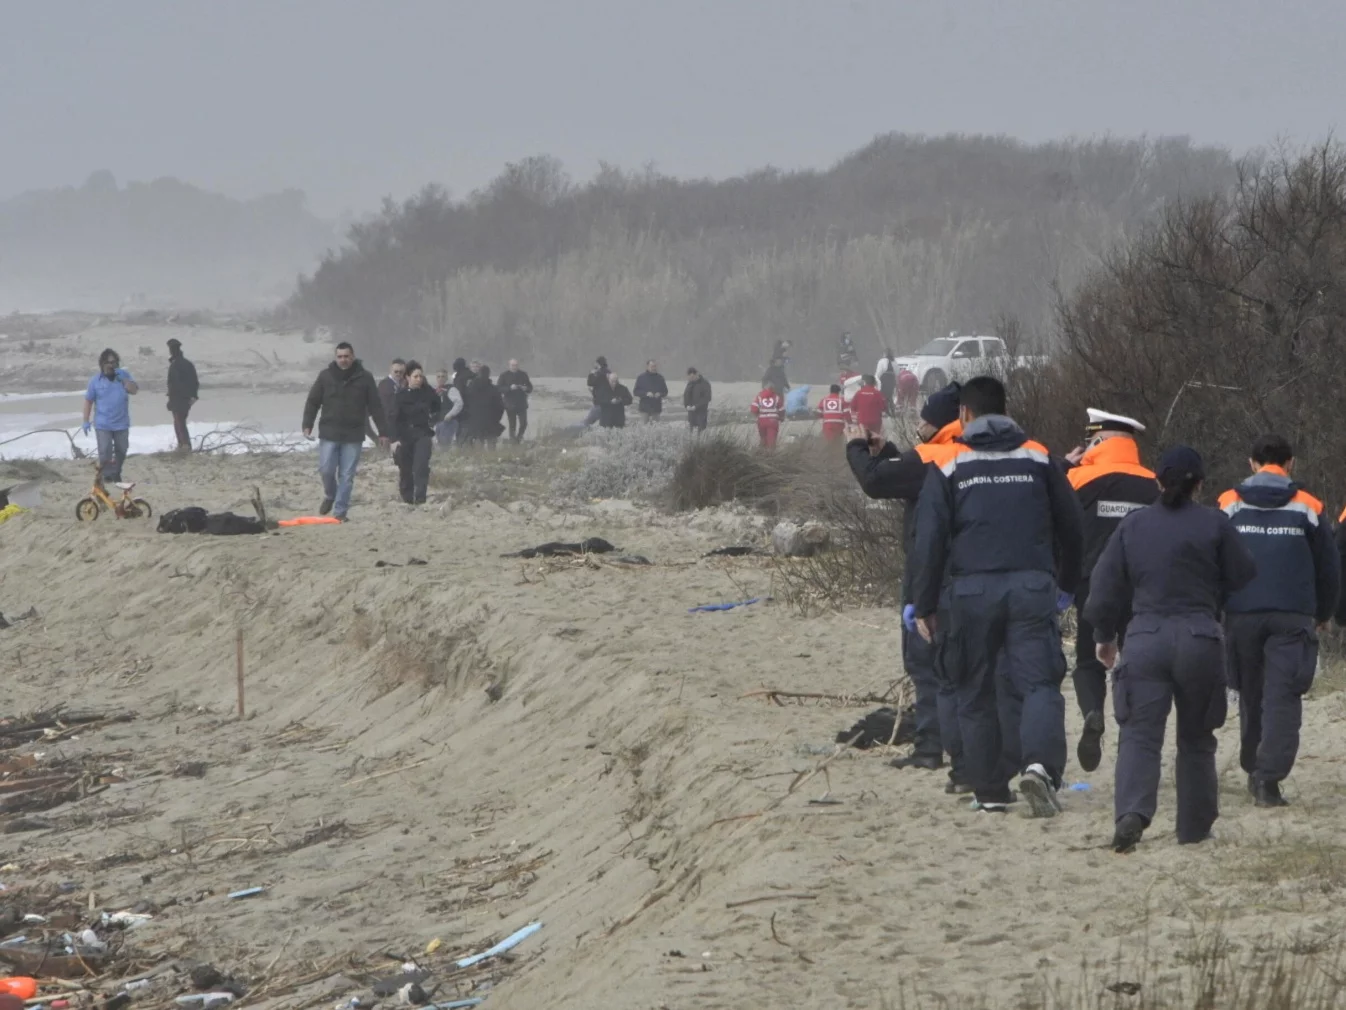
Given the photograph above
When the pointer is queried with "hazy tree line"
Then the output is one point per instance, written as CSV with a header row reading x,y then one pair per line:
x,y
901,241
1224,320
93,245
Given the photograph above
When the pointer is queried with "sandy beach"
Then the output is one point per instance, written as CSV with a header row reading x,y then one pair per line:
x,y
456,749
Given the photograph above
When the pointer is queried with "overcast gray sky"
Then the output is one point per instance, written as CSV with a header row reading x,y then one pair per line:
x,y
353,100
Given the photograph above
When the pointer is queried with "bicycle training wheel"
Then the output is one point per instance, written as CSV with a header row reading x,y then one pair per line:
x,y
87,510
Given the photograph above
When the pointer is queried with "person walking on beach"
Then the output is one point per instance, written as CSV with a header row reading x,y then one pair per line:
x,y
650,392
462,379
614,403
106,401
1173,565
868,405
1272,624
769,409
183,387
389,386
696,398
416,411
515,387
348,399
485,408
832,409
599,387
884,471
1111,483
392,384
998,530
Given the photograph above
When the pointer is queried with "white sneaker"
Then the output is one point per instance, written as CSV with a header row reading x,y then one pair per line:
x,y
1036,787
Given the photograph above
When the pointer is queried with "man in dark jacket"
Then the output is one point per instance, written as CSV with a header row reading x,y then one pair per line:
x,y
598,389
650,392
515,386
614,404
774,377
1001,523
1272,623
696,398
485,407
348,398
389,386
462,379
183,388
1111,483
885,472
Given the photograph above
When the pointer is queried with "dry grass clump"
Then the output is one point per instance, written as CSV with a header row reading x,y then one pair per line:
x,y
865,564
1209,972
721,467
623,462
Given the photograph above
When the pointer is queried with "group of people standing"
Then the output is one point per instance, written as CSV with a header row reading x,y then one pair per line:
x,y
611,396
1177,600
407,415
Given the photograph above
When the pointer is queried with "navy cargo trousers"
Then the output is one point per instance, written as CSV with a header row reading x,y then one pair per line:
x,y
1170,661
937,730
1272,661
1001,651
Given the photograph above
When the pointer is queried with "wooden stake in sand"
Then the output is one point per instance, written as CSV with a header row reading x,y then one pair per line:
x,y
239,650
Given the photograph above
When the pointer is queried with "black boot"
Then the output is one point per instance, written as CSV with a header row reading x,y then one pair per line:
x,y
956,786
1090,748
1268,794
928,762
1129,829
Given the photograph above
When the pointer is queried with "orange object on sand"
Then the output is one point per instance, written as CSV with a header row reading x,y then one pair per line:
x,y
310,521
20,986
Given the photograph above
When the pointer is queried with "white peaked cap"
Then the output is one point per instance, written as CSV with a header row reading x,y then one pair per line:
x,y
1101,417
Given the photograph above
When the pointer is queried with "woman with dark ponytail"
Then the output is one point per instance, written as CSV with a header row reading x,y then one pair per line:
x,y
1175,563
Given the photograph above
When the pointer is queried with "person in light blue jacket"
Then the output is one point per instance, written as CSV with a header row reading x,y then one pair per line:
x,y
107,411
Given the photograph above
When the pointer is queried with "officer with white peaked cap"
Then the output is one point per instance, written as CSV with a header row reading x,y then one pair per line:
x,y
1107,474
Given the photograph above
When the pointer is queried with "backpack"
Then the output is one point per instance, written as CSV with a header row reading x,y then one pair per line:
x,y
185,520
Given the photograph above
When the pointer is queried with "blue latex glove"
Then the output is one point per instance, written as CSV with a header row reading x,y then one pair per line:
x,y
87,426
1064,601
909,616
122,374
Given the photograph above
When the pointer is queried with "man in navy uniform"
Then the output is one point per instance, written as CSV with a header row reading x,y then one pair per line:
x,y
1000,519
1272,624
1111,483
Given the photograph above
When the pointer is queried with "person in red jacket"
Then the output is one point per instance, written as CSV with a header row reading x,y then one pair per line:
x,y
769,409
908,390
832,409
868,405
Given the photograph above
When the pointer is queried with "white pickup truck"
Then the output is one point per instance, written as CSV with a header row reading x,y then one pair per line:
x,y
958,358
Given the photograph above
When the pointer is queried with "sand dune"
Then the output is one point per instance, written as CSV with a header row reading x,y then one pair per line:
x,y
633,799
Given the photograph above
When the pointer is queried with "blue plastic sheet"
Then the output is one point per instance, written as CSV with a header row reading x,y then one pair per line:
x,y
513,940
797,402
711,608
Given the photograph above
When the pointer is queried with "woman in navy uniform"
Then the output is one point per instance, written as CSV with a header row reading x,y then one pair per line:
x,y
1175,562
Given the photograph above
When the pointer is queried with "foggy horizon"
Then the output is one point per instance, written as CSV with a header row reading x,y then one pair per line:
x,y
351,103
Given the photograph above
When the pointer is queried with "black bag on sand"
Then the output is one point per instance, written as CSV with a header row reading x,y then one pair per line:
x,y
226,524
185,520
882,726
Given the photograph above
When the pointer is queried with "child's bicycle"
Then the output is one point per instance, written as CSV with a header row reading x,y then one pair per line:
x,y
99,501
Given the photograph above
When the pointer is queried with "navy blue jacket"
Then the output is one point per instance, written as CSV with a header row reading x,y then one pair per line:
x,y
1167,562
900,476
1000,504
1284,527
